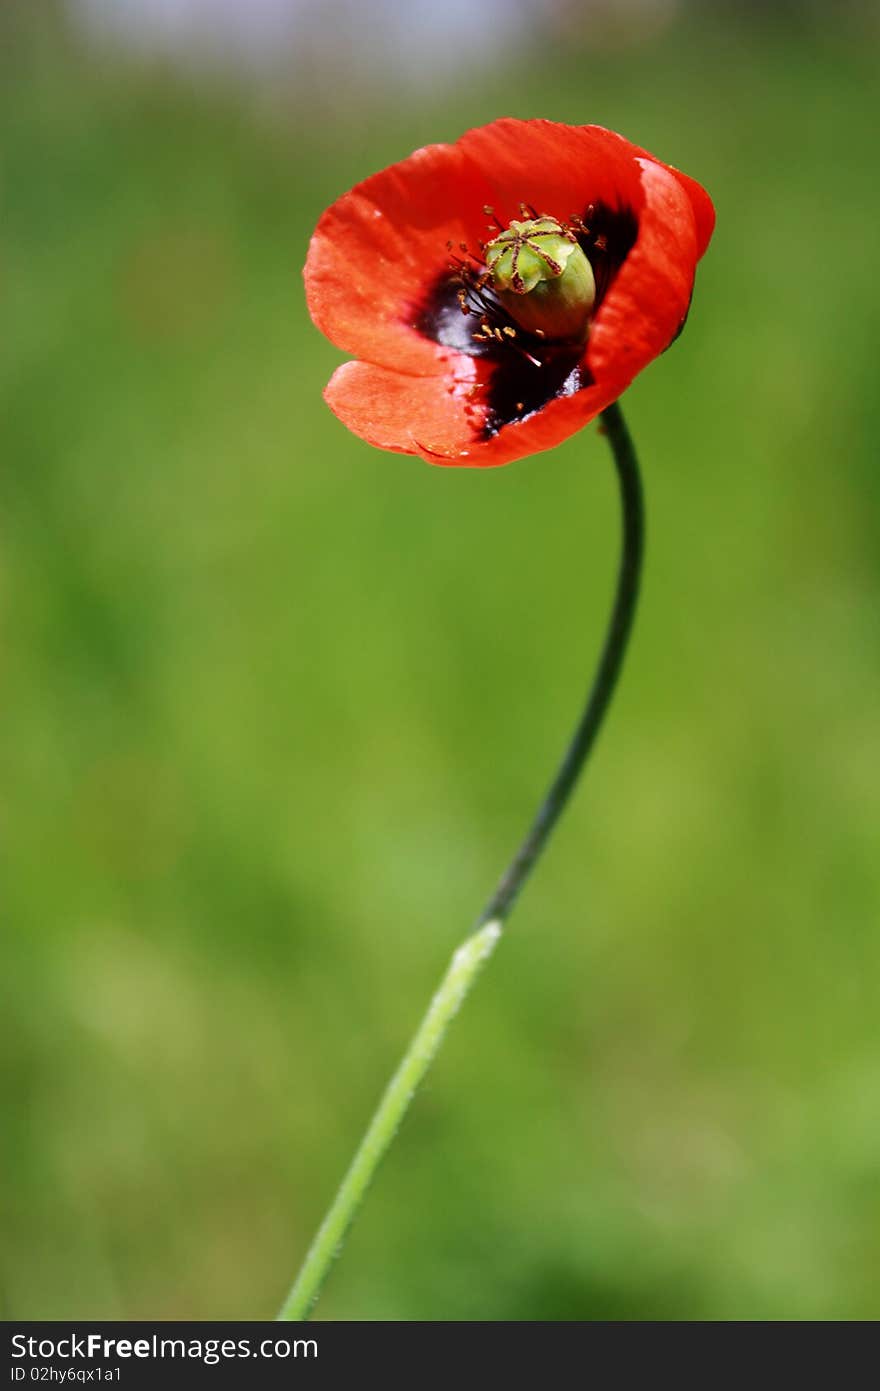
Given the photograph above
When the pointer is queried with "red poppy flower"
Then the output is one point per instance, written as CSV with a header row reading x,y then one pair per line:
x,y
403,273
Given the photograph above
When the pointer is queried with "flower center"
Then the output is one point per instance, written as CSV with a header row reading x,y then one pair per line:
x,y
531,287
541,276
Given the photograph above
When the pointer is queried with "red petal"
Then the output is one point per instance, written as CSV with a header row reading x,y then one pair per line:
x,y
563,168
442,419
558,169
701,203
378,248
648,301
412,415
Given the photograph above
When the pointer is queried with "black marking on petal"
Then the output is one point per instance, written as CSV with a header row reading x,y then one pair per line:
x,y
608,237
525,372
439,316
519,387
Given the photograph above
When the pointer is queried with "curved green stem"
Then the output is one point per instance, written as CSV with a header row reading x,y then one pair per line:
x,y
478,947
605,678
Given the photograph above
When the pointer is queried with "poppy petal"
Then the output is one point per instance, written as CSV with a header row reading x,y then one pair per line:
x,y
448,423
558,169
426,415
648,302
701,204
376,249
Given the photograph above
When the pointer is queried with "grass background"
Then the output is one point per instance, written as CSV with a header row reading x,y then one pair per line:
x,y
277,706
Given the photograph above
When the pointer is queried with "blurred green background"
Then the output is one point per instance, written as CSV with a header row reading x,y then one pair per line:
x,y
277,707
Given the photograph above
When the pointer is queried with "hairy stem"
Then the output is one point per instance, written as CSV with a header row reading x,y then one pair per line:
x,y
478,947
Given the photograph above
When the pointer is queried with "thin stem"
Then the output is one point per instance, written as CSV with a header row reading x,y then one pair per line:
x,y
476,949
605,679
400,1091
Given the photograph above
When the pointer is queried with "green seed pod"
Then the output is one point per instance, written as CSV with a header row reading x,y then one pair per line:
x,y
543,279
